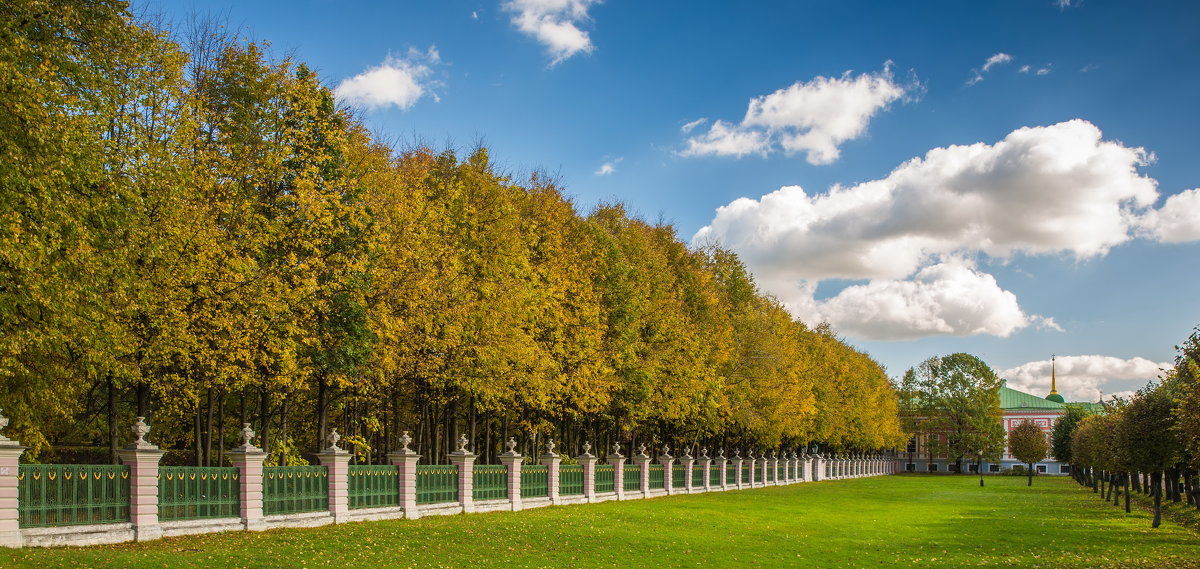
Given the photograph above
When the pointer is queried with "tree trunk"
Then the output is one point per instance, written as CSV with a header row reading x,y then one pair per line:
x,y
1030,474
322,408
1127,484
264,418
114,432
1156,482
208,428
220,430
143,399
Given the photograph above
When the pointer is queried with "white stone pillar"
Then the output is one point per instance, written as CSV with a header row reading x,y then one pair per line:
x,y
737,469
706,465
10,458
667,461
336,461
249,461
406,461
724,464
552,461
142,459
588,461
689,465
617,460
511,459
465,461
643,462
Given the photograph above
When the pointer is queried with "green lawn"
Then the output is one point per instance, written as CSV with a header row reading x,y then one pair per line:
x,y
920,521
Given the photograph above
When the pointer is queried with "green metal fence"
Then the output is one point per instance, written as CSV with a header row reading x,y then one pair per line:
x,y
489,482
198,492
437,483
373,486
678,476
535,481
656,476
295,489
747,474
698,473
570,479
770,473
604,478
71,494
714,475
633,477
731,474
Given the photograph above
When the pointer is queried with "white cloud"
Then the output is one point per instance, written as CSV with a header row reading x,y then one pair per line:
x,y
1044,70
949,298
398,82
555,24
608,167
688,127
1023,69
1042,190
1178,220
999,58
1083,378
814,117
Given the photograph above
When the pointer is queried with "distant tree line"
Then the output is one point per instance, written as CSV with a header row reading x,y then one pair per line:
x,y
195,232
1149,443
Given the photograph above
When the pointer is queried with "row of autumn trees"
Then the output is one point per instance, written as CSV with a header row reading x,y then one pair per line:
x,y
1149,443
195,232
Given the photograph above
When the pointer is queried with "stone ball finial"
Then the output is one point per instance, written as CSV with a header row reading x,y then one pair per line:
x,y
405,440
333,439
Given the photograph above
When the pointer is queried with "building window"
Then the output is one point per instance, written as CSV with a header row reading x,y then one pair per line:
x,y
1041,468
933,468
993,468
973,468
912,445
952,467
910,467
1064,468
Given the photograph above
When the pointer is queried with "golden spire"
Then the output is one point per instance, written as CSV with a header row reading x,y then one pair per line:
x,y
1053,380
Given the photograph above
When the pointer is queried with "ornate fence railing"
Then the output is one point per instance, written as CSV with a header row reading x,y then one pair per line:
x,y
72,494
570,479
698,473
198,492
535,481
489,482
373,486
295,489
437,483
632,479
678,476
604,478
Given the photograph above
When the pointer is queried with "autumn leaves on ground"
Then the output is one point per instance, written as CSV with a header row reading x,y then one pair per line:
x,y
892,521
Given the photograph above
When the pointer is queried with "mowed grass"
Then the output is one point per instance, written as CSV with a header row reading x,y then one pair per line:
x,y
928,521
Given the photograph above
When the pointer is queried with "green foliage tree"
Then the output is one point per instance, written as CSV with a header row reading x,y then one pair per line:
x,y
1027,443
958,398
1062,431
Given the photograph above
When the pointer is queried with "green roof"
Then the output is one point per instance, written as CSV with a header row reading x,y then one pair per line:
x,y
1013,399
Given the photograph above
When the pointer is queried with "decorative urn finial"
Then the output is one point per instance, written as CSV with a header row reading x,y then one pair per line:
x,y
462,444
405,440
704,452
3,424
587,447
140,429
247,436
333,439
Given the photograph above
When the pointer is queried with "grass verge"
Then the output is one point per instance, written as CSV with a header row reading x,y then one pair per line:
x,y
934,521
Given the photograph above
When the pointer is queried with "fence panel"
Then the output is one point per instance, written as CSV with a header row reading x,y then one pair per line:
x,y
535,481
437,483
747,474
72,494
198,492
656,476
633,477
295,489
697,476
604,478
570,479
490,482
373,486
678,476
771,473
714,475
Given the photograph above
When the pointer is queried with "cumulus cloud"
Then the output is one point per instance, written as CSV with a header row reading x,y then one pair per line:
x,y
1041,190
814,117
690,126
1178,220
996,59
397,82
1083,378
608,167
555,24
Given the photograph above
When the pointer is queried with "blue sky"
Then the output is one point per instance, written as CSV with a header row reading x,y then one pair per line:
x,y
1012,179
